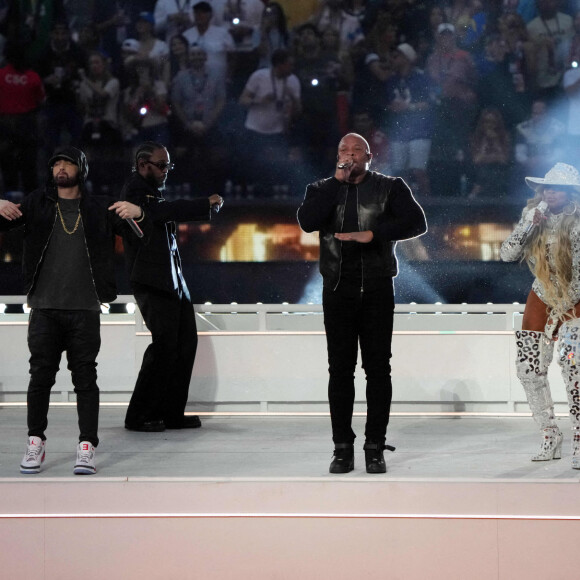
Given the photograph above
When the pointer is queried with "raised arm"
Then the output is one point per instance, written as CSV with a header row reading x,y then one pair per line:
x,y
512,248
319,202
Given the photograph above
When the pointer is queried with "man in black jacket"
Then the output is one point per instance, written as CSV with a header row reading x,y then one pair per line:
x,y
68,269
360,215
162,387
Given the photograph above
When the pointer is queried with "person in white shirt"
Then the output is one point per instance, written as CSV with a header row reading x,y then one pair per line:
x,y
549,31
241,18
272,97
150,46
538,140
216,41
99,91
331,15
172,17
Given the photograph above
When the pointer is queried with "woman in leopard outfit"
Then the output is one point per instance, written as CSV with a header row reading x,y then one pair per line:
x,y
547,237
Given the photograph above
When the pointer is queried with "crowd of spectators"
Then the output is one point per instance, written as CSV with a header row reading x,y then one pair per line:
x,y
460,97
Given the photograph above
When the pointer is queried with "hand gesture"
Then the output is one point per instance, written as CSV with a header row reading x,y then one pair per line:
x,y
126,210
363,237
9,210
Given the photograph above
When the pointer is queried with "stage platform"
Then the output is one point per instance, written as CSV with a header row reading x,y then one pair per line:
x,y
250,496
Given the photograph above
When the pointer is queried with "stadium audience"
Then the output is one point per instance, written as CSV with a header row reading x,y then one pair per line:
x,y
518,58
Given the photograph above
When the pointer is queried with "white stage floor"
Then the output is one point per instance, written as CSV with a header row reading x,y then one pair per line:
x,y
461,448
251,498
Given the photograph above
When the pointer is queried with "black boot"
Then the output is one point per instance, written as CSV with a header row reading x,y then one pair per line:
x,y
343,461
374,456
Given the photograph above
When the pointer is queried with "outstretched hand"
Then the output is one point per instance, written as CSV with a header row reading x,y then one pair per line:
x,y
9,210
126,210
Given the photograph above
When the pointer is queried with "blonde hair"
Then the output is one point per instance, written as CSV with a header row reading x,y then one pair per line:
x,y
555,283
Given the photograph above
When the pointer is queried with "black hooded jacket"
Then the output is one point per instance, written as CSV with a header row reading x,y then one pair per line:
x,y
39,216
388,209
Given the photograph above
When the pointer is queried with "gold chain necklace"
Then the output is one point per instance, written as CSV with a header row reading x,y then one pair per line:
x,y
64,225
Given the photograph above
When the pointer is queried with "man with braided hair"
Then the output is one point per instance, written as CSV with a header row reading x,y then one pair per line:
x,y
156,276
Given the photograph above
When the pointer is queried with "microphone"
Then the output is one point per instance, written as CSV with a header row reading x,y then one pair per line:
x,y
345,165
216,206
136,229
541,207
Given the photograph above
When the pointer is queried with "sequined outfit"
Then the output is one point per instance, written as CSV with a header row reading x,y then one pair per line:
x,y
535,349
512,250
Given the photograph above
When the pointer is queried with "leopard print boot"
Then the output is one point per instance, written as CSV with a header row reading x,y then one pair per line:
x,y
569,361
534,355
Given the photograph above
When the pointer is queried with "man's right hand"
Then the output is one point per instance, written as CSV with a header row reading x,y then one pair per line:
x,y
343,170
9,210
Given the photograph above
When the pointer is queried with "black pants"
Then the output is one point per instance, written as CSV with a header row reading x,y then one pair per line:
x,y
162,386
50,332
351,316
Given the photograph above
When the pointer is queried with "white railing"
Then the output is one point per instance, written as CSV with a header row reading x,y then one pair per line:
x,y
272,357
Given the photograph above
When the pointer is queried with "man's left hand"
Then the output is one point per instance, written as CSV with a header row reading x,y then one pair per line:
x,y
362,237
215,202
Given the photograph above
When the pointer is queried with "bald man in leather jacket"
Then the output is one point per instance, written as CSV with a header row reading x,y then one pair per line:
x,y
360,215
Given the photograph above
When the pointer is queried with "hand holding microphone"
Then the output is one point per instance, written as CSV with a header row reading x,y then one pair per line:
x,y
215,202
343,170
128,211
541,210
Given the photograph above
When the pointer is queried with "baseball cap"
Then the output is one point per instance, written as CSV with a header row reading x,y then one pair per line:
x,y
131,45
408,51
73,155
147,16
445,27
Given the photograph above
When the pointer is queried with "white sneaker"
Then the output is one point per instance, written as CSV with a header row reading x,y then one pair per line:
x,y
34,456
85,464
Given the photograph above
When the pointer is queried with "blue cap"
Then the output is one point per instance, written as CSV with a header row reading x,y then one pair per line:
x,y
147,16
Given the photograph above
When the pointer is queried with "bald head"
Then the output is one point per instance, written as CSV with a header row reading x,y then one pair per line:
x,y
354,137
354,158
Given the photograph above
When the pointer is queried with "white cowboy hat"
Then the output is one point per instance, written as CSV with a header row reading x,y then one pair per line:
x,y
560,174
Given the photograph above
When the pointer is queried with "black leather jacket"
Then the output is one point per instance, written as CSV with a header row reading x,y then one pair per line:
x,y
387,208
100,225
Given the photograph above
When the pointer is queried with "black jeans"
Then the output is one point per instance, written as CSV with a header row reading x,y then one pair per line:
x,y
162,386
351,316
50,333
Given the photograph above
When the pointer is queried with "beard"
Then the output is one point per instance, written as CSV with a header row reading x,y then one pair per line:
x,y
64,181
154,182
